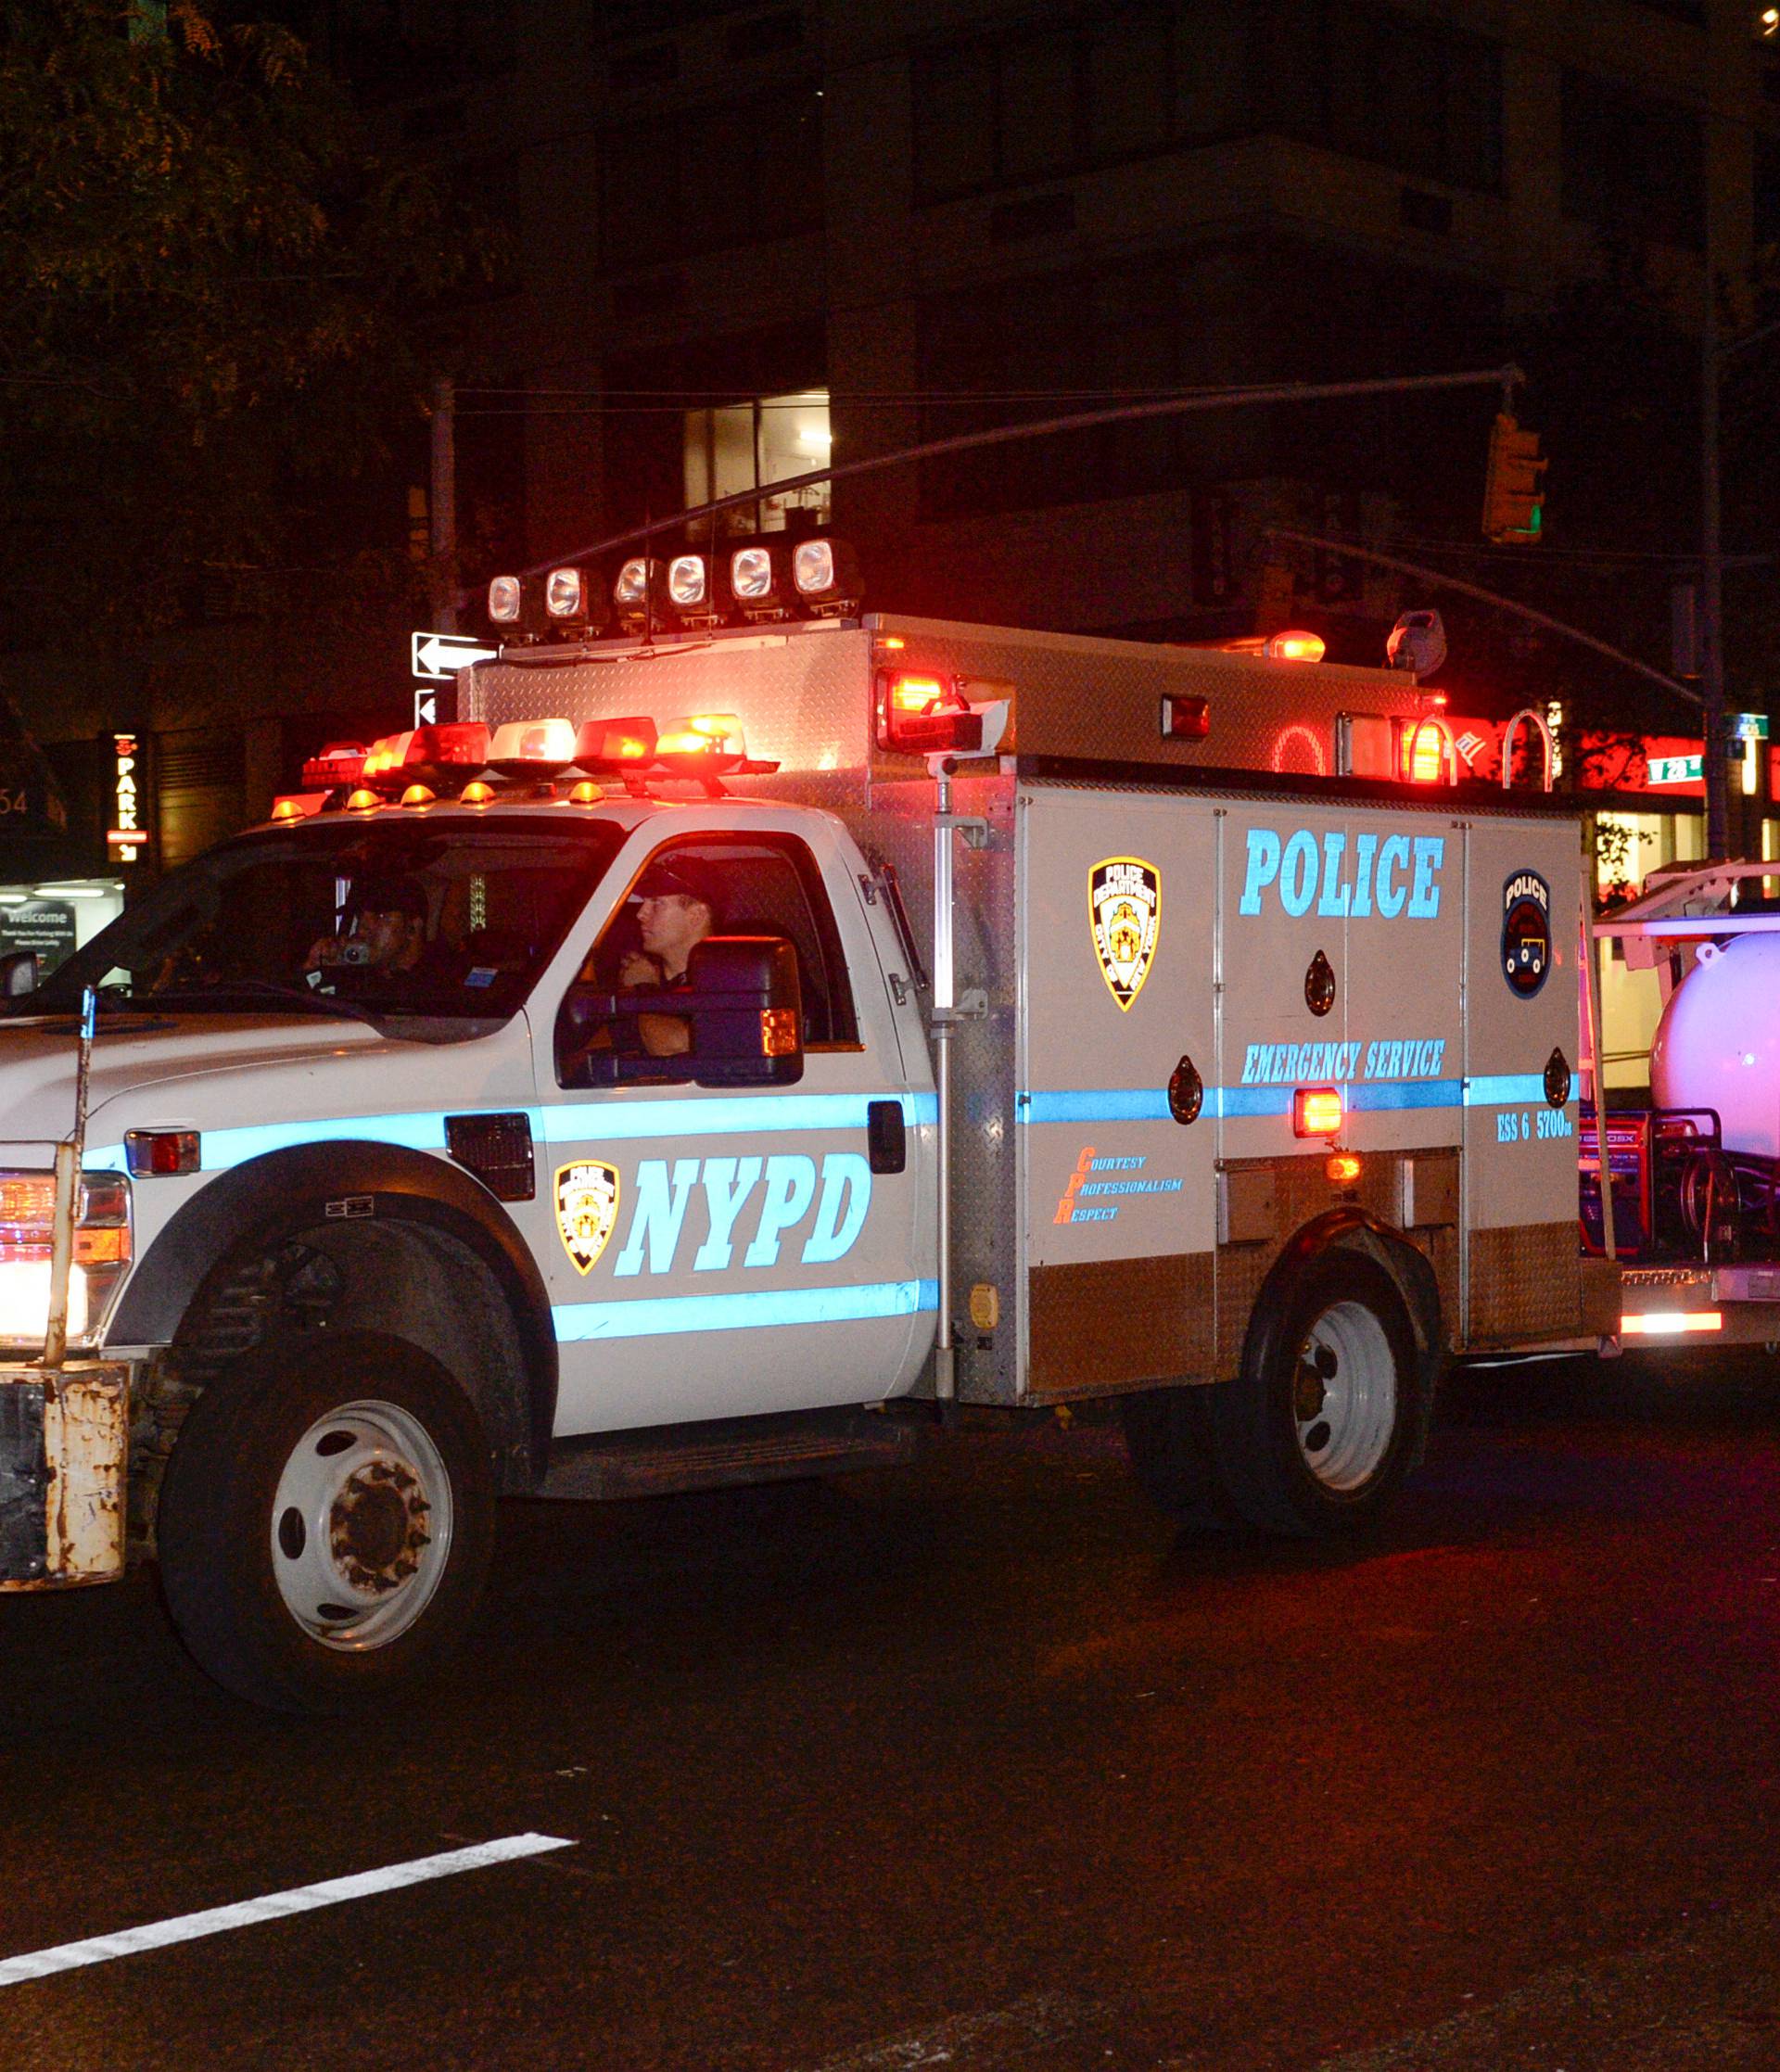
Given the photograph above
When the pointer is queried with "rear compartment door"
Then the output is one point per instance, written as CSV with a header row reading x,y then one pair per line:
x,y
1114,946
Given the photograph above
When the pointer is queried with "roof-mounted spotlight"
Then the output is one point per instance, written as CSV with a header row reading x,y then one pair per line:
x,y
639,595
825,573
761,582
691,591
573,604
517,611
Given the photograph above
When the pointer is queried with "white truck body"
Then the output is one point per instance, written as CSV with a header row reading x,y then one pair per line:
x,y
1156,944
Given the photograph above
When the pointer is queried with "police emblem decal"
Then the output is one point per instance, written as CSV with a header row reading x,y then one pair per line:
x,y
1526,932
1125,918
587,1207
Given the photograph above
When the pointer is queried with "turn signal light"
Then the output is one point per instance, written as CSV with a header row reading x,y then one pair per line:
x,y
778,1032
1316,1112
1342,1168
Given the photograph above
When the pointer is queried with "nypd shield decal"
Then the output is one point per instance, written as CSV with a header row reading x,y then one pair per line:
x,y
587,1207
1125,916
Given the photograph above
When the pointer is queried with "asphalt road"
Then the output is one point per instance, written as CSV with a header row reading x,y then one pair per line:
x,y
977,1765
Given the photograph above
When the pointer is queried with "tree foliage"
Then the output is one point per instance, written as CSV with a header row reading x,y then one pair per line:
x,y
215,300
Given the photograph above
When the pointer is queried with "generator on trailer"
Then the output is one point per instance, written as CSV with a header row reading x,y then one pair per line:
x,y
706,1056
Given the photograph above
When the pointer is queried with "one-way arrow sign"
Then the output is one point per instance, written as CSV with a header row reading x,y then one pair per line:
x,y
439,656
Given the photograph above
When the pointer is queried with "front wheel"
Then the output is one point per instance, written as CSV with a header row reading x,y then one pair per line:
x,y
326,1522
1330,1410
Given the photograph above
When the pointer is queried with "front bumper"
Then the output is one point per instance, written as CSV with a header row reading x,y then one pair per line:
x,y
64,1446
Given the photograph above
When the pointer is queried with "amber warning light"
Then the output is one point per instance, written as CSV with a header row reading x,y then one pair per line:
x,y
1316,1112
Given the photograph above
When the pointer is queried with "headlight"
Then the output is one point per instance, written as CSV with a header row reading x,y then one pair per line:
x,y
101,1254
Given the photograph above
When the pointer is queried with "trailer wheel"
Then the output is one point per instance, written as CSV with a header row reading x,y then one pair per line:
x,y
1168,1436
326,1523
1329,1411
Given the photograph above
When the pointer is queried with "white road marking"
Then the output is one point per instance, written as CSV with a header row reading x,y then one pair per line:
x,y
1028,2025
274,1906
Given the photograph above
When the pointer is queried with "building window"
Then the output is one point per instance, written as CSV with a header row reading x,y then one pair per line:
x,y
1409,94
1633,166
732,448
1133,81
698,179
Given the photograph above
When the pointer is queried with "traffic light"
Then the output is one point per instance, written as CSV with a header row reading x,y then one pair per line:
x,y
1514,504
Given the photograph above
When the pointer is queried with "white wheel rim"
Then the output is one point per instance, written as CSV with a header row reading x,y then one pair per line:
x,y
1345,1396
361,1526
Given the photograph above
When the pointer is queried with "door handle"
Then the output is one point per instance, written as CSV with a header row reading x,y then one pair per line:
x,y
886,1136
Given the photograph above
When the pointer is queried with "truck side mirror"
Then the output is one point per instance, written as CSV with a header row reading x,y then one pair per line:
x,y
17,975
736,1021
745,1007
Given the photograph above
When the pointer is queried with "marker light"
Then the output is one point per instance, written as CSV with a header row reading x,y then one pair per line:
x,y
540,748
504,600
161,1153
825,573
475,792
926,716
587,792
291,807
363,801
1185,719
1316,1112
1671,1323
418,795
616,745
1343,1167
1294,647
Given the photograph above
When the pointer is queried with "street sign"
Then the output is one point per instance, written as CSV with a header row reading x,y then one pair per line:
x,y
1749,726
1676,769
439,656
435,703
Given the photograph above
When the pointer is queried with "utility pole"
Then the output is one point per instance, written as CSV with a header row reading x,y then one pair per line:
x,y
443,506
1711,580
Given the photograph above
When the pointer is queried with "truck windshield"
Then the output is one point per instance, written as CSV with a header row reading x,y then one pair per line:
x,y
390,918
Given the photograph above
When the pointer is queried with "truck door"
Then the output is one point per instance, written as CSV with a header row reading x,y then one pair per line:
x,y
719,1251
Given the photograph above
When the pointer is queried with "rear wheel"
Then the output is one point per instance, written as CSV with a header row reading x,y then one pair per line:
x,y
325,1523
1329,1411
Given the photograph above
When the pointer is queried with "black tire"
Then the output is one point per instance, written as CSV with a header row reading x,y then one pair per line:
x,y
1168,1436
401,1478
1305,1464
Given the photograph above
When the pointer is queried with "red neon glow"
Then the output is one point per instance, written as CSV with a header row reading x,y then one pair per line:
x,y
1305,741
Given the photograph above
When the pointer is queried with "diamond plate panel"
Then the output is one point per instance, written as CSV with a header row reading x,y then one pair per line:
x,y
1526,1284
1102,1327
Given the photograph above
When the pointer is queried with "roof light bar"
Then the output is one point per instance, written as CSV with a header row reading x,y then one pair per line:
x,y
536,748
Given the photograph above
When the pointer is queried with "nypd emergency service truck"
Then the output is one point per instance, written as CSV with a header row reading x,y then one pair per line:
x,y
1067,1017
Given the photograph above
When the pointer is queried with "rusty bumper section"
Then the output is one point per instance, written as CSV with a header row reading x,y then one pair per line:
x,y
64,1438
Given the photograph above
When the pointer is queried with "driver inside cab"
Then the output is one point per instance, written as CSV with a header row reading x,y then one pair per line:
x,y
677,905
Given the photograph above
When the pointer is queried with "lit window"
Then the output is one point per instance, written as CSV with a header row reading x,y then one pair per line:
x,y
740,447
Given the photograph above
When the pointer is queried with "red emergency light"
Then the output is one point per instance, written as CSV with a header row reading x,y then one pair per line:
x,y
926,716
430,756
